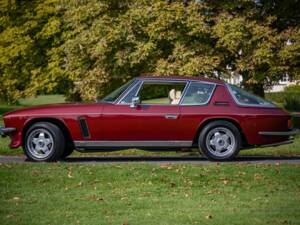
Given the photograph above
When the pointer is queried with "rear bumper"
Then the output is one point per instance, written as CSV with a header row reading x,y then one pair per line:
x,y
283,133
4,131
288,135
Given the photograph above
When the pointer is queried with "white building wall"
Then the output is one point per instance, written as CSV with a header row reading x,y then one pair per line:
x,y
236,79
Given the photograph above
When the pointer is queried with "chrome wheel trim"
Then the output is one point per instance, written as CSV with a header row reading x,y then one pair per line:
x,y
40,143
221,142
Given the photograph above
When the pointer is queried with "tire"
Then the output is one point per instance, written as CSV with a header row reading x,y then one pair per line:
x,y
68,151
44,142
220,141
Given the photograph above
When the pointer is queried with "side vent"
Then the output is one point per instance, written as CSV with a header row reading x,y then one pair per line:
x,y
84,127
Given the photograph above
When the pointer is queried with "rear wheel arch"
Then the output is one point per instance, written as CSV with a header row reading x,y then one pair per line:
x,y
230,120
54,121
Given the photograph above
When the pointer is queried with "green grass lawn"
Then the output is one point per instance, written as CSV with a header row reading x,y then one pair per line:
x,y
149,194
142,193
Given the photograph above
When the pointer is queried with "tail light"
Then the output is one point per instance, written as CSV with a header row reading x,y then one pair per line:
x,y
290,123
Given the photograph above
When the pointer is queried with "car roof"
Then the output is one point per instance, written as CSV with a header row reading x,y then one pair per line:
x,y
180,78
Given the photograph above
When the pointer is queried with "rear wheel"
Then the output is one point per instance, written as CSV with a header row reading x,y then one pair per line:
x,y
44,142
68,151
220,141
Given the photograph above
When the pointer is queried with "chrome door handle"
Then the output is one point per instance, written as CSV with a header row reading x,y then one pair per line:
x,y
171,116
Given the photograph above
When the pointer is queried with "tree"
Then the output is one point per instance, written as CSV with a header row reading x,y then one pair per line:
x,y
29,36
172,37
85,49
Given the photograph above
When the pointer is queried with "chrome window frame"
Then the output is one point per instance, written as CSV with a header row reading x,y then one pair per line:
x,y
135,81
271,106
130,88
199,104
141,83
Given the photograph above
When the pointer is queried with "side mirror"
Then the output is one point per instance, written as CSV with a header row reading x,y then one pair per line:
x,y
135,102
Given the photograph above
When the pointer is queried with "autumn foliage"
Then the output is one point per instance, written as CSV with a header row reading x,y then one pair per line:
x,y
84,49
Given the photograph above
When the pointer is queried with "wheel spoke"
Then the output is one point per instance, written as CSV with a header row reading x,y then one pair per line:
x,y
42,135
48,141
217,134
45,150
212,142
218,148
35,141
225,137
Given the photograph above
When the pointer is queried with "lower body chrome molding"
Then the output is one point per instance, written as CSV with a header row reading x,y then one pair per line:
x,y
131,144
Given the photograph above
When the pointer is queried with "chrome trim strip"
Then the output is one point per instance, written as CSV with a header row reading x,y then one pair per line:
x,y
141,83
136,81
208,100
170,79
82,144
124,95
184,91
283,133
154,81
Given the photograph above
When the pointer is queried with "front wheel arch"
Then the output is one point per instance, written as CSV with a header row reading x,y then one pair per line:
x,y
54,121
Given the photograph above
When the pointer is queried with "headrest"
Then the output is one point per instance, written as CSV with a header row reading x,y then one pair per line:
x,y
172,94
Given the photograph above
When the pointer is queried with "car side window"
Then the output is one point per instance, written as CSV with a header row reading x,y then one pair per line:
x,y
168,93
245,98
198,93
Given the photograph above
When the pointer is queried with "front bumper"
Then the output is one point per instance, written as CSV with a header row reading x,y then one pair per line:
x,y
280,133
4,131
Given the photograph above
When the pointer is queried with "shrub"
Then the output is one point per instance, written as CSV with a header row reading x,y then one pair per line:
x,y
292,101
296,121
292,89
289,99
277,97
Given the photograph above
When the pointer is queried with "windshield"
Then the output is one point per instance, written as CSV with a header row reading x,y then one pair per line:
x,y
245,98
113,96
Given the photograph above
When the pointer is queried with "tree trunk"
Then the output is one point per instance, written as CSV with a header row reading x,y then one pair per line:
x,y
255,88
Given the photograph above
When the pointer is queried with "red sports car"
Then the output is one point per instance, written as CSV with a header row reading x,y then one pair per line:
x,y
153,113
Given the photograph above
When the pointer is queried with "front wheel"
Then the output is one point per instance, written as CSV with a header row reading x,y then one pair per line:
x,y
220,141
44,142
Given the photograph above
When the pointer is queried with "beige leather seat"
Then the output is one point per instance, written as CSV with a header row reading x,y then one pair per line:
x,y
174,97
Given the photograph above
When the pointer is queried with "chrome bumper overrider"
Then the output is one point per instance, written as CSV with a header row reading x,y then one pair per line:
x,y
4,131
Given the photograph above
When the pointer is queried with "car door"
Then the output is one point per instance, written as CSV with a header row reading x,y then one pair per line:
x,y
195,107
153,122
